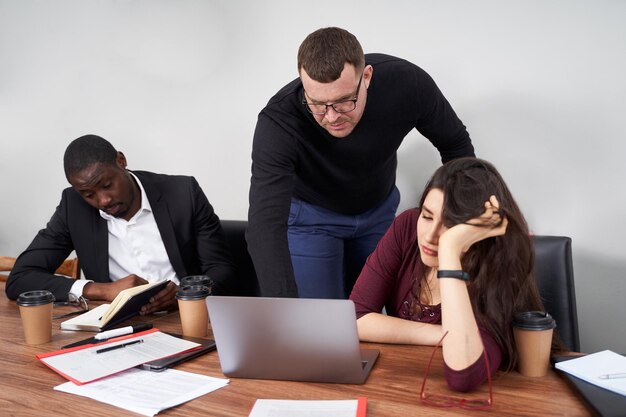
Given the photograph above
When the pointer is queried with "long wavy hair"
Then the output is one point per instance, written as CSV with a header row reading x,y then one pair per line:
x,y
501,267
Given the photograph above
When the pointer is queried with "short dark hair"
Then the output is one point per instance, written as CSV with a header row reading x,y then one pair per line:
x,y
86,151
324,53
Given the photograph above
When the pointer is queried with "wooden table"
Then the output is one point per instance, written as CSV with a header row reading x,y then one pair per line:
x,y
392,389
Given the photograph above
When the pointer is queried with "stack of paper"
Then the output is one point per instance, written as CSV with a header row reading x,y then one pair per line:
x,y
146,392
605,369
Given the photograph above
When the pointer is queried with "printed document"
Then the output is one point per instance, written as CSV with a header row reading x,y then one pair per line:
x,y
146,392
84,364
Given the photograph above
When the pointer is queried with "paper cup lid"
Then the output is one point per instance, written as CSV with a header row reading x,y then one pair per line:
x,y
35,298
196,280
193,292
534,320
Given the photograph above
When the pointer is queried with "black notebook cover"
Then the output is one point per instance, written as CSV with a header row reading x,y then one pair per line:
x,y
132,307
601,402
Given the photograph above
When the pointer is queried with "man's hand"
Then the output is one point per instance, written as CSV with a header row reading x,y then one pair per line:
x,y
109,290
163,300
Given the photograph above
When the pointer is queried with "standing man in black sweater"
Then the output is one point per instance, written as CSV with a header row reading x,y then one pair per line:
x,y
324,163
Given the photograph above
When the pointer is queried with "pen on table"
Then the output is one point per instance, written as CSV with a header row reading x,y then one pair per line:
x,y
613,376
123,330
123,345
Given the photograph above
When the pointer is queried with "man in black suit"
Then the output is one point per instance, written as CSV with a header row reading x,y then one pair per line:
x,y
127,228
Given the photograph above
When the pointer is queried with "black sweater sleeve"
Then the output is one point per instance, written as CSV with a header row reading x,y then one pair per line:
x,y
271,188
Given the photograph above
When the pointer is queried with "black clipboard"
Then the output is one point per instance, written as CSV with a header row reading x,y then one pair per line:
x,y
602,402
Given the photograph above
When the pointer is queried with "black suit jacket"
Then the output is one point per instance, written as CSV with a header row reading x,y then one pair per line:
x,y
189,227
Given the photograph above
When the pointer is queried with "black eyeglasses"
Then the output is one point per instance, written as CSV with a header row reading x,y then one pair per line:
x,y
72,300
439,400
343,106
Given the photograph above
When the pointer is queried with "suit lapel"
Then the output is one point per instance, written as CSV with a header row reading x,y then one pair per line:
x,y
101,245
162,216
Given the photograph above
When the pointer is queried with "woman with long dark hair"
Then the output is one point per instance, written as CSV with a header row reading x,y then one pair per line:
x,y
459,265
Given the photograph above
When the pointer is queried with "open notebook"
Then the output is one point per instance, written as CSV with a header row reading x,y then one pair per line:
x,y
127,304
289,339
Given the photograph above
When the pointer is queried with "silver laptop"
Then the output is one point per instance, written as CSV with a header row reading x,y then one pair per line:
x,y
296,339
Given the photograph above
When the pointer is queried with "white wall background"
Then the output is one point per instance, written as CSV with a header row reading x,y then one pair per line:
x,y
177,85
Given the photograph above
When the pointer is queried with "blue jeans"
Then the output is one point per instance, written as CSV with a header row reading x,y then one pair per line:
x,y
328,249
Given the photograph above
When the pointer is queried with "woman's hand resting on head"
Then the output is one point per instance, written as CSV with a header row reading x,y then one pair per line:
x,y
457,240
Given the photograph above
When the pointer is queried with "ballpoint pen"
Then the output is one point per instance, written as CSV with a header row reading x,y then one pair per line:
x,y
123,345
613,376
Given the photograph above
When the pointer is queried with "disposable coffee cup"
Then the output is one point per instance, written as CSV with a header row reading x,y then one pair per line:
x,y
196,280
36,312
533,337
194,316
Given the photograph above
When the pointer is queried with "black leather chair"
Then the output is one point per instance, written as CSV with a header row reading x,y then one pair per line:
x,y
554,274
235,230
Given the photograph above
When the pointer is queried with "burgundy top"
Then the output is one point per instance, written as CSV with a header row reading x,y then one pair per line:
x,y
389,280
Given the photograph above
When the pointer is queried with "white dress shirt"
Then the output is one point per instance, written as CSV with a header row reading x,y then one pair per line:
x,y
135,247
